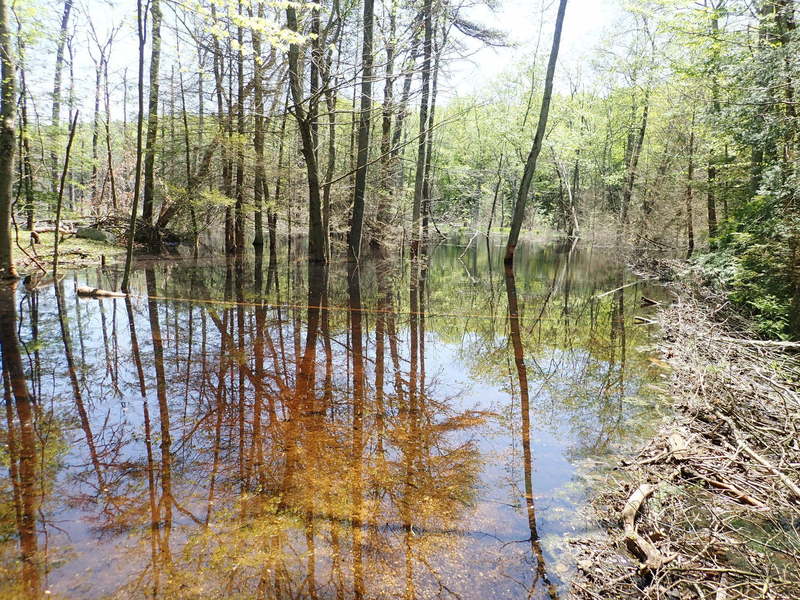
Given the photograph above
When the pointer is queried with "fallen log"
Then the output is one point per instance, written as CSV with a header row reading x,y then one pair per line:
x,y
88,292
650,302
651,557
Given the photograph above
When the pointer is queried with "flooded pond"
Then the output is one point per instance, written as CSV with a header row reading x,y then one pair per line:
x,y
237,429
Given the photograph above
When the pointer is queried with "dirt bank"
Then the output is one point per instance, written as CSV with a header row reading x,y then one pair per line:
x,y
710,507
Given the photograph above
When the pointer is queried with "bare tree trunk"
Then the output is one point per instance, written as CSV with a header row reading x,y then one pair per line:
x,y
238,227
258,136
109,158
316,236
422,145
8,140
690,195
635,144
386,121
98,72
26,169
188,159
427,191
365,109
56,114
402,113
496,192
60,199
152,114
711,202
536,148
138,175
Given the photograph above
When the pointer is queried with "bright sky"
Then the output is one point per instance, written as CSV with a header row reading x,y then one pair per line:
x,y
528,23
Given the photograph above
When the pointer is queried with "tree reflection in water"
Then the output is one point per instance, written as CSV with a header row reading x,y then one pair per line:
x,y
256,431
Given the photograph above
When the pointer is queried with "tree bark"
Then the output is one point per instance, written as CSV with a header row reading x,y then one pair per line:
x,y
138,174
496,192
238,226
635,143
386,121
422,145
365,109
690,195
152,113
258,136
26,169
56,112
316,238
8,140
57,232
711,171
109,157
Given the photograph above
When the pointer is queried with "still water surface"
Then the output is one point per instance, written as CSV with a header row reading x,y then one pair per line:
x,y
241,430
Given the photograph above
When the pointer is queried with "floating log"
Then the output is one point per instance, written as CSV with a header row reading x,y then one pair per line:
x,y
88,292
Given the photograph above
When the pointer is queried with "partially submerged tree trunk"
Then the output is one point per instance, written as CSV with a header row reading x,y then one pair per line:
x,y
536,148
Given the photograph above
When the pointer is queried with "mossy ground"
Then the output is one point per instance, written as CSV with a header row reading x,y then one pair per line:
x,y
74,253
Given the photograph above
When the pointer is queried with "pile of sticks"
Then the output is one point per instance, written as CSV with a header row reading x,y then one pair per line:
x,y
710,508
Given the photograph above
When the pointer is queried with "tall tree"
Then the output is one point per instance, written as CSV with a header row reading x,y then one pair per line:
x,y
538,139
140,28
152,113
260,180
305,123
386,118
8,141
715,8
365,110
56,108
422,143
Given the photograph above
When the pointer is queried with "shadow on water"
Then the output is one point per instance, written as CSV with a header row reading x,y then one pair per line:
x,y
261,428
